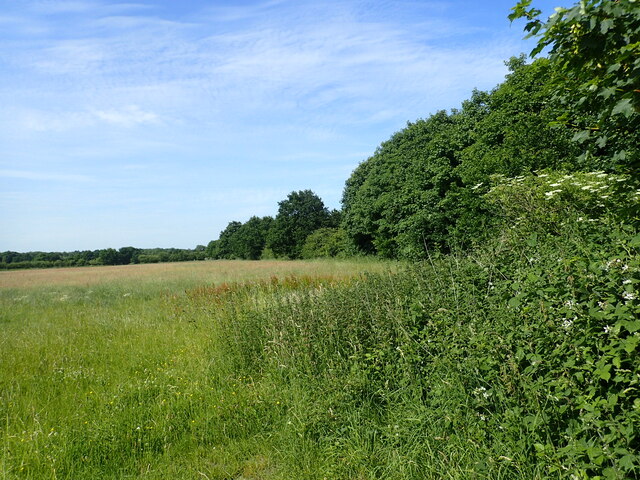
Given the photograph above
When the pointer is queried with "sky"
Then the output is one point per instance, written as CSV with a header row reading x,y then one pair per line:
x,y
156,123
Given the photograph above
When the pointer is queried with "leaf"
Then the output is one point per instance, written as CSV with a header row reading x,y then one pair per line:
x,y
601,141
607,92
623,107
635,241
613,68
581,136
606,25
626,462
515,302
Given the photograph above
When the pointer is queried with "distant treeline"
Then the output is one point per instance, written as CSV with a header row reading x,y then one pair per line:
x,y
107,256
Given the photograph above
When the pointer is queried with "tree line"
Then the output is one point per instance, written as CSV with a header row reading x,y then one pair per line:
x,y
106,256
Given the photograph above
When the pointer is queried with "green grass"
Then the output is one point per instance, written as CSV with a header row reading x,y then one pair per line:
x,y
128,378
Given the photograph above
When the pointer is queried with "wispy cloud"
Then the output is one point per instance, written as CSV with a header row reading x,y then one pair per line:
x,y
127,117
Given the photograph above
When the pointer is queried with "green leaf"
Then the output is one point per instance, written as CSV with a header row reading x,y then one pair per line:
x,y
581,136
623,107
627,462
635,241
606,25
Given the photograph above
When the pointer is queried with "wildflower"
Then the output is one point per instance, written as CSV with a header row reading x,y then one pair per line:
x,y
626,281
567,323
629,296
555,184
607,328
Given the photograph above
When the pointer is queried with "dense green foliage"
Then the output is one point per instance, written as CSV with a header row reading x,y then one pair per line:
x,y
595,52
418,191
241,240
299,215
325,243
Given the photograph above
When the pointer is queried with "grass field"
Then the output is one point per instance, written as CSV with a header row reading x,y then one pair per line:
x,y
120,372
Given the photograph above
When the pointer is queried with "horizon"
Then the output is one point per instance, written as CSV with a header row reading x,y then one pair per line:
x,y
155,124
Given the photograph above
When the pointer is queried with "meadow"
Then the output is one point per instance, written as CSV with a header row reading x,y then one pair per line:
x,y
119,372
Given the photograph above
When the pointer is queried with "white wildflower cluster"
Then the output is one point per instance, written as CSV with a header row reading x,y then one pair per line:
x,y
598,185
616,263
567,323
629,295
481,391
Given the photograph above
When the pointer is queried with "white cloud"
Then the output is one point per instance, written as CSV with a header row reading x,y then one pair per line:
x,y
129,116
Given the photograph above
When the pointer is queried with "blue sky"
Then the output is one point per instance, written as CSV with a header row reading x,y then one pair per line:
x,y
155,123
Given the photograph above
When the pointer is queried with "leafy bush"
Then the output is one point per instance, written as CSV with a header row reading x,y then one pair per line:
x,y
325,242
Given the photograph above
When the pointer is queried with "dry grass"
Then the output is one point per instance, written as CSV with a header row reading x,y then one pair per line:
x,y
181,272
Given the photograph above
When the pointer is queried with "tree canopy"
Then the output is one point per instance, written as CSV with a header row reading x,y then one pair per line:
x,y
594,47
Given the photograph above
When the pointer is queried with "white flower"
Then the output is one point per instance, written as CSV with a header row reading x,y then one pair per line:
x,y
567,323
629,296
607,328
626,281
555,184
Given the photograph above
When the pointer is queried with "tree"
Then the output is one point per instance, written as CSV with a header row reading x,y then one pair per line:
x,y
250,239
299,214
392,203
324,242
224,247
595,51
